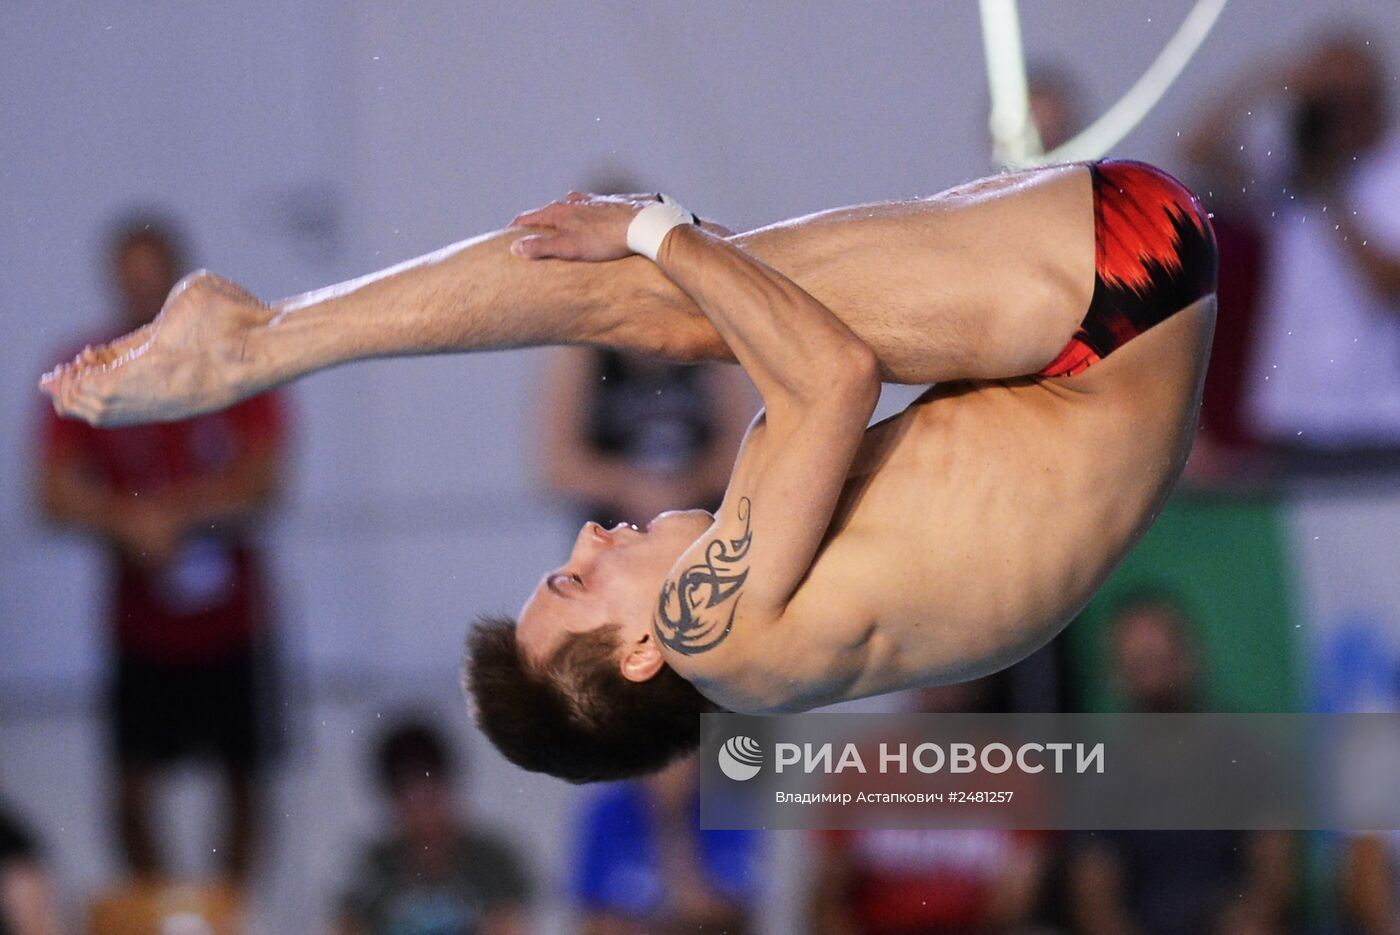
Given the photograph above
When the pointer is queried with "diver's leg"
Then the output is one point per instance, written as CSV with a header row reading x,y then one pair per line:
x,y
987,281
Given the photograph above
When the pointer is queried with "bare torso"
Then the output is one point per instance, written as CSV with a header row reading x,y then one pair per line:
x,y
975,524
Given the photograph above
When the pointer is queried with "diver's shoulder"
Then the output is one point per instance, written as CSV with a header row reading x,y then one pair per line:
x,y
771,666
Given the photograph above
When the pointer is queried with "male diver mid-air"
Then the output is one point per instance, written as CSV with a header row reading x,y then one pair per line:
x,y
1064,314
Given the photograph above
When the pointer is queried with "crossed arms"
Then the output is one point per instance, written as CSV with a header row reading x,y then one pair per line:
x,y
819,384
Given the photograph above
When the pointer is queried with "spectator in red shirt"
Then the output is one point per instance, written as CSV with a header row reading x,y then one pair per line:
x,y
186,603
933,881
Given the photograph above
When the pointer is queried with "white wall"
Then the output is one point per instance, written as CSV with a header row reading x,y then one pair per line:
x,y
407,126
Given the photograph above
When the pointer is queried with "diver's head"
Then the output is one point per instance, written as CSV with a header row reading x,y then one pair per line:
x,y
579,688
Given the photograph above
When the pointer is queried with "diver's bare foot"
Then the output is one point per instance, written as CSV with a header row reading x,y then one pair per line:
x,y
191,359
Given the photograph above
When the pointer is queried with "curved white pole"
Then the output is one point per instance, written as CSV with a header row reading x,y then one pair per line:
x,y
1014,137
1103,134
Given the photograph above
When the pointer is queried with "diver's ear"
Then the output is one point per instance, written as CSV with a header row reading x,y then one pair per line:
x,y
643,660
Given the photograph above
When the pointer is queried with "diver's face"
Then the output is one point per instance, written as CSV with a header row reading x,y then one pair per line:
x,y
612,576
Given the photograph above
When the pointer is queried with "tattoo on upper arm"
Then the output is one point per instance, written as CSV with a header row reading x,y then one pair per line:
x,y
691,614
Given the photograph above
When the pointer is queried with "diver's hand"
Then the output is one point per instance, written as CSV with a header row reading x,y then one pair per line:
x,y
193,358
581,227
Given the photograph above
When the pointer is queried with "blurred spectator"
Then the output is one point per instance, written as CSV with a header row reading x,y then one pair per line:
x,y
951,882
1371,883
626,437
1155,661
1308,151
1227,440
186,606
26,894
645,868
1056,104
434,872
1174,882
937,882
153,906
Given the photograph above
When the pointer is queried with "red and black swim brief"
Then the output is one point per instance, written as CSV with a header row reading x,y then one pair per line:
x,y
1154,254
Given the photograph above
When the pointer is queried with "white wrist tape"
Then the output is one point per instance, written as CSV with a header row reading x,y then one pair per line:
x,y
649,228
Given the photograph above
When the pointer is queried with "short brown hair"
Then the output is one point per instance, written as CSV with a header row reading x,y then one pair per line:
x,y
576,716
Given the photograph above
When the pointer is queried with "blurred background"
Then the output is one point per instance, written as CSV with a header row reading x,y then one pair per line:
x,y
300,759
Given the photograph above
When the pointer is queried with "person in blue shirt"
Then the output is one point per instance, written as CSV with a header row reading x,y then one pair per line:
x,y
645,867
